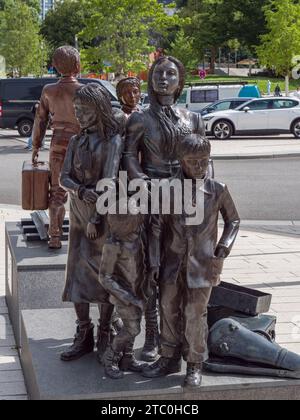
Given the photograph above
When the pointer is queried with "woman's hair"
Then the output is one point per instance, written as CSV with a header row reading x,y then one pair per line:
x,y
193,144
96,95
66,60
169,132
133,81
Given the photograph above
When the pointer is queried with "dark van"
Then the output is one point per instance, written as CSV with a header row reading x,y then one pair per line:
x,y
18,96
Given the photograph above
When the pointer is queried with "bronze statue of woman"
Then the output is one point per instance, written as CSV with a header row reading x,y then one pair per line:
x,y
152,137
91,156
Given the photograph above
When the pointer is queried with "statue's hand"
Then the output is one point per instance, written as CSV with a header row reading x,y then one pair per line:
x,y
90,197
221,252
92,232
35,155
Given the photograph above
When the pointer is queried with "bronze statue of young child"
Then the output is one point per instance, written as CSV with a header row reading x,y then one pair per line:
x,y
191,266
92,155
129,94
122,274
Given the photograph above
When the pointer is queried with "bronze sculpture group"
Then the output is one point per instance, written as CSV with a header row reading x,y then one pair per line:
x,y
120,261
127,263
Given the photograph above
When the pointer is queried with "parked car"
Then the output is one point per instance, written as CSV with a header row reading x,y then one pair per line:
x,y
256,117
195,98
224,105
18,96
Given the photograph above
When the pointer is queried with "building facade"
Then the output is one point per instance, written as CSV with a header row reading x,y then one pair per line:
x,y
46,5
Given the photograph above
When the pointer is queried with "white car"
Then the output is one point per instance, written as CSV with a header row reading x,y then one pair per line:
x,y
264,116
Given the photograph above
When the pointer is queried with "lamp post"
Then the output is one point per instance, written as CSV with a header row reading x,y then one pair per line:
x,y
76,42
229,55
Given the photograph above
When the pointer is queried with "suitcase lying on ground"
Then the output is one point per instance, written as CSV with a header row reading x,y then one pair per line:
x,y
35,186
241,299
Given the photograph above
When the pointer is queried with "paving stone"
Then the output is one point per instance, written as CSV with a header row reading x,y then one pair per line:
x,y
9,362
11,376
13,388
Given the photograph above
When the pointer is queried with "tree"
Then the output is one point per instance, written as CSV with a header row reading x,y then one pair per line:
x,y
20,42
182,48
64,22
281,43
213,23
121,33
35,4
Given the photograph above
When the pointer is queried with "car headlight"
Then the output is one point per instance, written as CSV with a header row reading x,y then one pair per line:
x,y
208,117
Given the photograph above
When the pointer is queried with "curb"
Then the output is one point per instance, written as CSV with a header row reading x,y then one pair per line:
x,y
243,222
238,156
256,156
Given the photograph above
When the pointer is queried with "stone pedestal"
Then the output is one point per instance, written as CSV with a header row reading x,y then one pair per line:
x,y
35,276
47,332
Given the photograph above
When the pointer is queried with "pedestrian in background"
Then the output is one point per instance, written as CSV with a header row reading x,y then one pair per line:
x,y
29,141
278,91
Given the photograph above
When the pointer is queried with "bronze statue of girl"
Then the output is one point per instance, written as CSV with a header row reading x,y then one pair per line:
x,y
92,155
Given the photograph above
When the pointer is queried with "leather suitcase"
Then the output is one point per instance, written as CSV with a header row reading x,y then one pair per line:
x,y
241,299
35,186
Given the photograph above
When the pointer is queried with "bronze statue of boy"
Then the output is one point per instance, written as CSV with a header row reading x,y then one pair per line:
x,y
191,266
57,102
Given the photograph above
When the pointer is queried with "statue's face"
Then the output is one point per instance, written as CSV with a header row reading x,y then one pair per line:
x,y
85,114
165,79
131,95
195,167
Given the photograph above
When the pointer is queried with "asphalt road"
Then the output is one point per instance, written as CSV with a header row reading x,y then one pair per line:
x,y
263,189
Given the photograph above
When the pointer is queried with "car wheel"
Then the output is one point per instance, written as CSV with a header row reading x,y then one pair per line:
x,y
25,128
222,130
296,129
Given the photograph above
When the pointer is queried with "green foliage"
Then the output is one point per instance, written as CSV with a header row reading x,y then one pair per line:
x,y
20,42
218,23
282,41
121,32
64,22
34,4
182,48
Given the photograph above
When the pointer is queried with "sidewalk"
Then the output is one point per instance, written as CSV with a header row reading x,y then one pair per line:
x,y
266,257
235,148
12,385
256,148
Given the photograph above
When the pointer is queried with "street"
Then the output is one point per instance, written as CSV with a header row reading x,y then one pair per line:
x,y
263,189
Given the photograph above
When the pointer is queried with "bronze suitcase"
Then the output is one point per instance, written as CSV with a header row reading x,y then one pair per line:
x,y
35,186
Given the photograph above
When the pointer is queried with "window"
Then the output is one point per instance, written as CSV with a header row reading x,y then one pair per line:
x,y
284,104
259,105
222,106
182,98
204,96
235,104
27,91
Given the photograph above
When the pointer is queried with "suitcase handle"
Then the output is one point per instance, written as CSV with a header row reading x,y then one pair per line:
x,y
37,163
